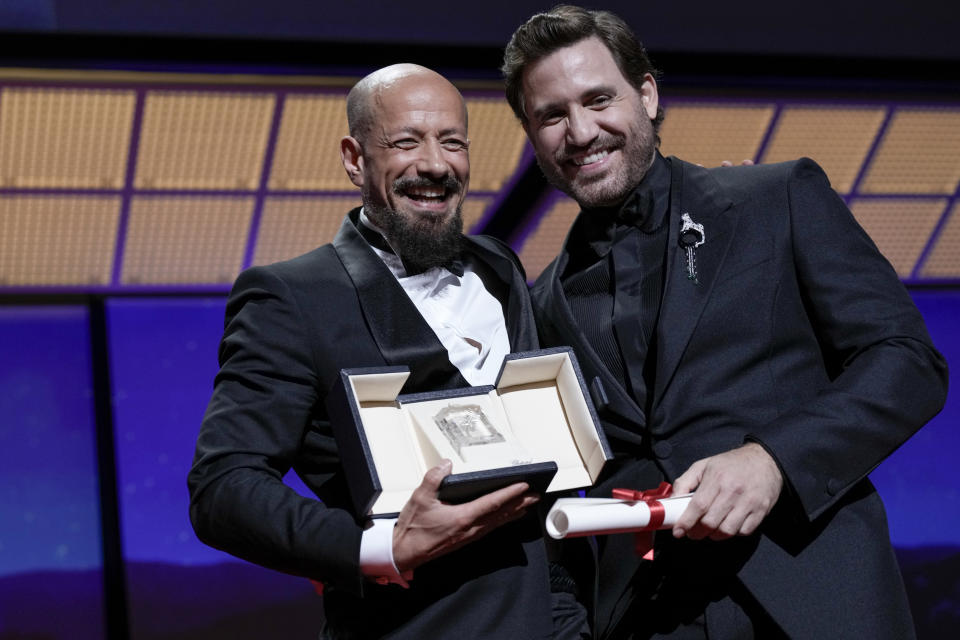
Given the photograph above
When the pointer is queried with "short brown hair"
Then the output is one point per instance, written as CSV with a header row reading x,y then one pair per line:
x,y
566,25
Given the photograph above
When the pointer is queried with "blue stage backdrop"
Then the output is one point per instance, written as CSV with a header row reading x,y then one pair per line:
x,y
163,357
163,360
920,482
50,554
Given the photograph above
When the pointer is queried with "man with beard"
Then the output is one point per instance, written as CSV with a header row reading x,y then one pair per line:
x,y
753,346
399,285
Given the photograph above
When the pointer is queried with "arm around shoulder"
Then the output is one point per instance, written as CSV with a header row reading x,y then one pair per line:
x,y
882,378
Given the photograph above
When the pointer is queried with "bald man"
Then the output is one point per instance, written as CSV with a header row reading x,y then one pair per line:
x,y
399,285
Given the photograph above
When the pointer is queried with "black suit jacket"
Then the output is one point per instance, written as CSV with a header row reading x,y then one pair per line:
x,y
800,336
290,328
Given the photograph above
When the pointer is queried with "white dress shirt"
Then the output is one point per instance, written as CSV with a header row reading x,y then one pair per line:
x,y
469,322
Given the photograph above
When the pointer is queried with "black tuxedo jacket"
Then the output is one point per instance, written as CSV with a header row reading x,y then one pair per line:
x,y
799,336
290,328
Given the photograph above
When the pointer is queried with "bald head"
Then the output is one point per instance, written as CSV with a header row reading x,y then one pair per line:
x,y
366,98
408,152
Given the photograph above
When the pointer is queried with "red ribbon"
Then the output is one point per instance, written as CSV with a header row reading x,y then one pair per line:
x,y
643,540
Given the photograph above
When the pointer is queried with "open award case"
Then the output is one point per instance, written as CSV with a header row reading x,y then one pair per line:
x,y
536,425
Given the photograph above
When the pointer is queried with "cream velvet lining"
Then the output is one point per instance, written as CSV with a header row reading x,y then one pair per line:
x,y
538,407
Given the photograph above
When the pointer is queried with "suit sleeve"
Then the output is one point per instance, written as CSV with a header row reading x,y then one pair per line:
x,y
264,398
886,380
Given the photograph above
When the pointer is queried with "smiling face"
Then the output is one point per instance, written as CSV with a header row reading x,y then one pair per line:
x,y
590,128
411,160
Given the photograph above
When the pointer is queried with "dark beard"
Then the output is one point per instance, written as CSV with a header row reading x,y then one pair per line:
x,y
422,243
639,148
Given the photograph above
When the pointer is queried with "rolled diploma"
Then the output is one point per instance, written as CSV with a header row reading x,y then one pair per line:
x,y
572,517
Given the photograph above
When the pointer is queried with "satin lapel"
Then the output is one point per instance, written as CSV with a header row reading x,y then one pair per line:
x,y
517,312
558,310
694,191
395,324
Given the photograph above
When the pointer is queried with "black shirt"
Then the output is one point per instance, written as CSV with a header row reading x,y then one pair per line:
x,y
614,279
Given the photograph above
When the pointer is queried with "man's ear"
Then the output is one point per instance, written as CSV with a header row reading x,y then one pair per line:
x,y
649,96
351,155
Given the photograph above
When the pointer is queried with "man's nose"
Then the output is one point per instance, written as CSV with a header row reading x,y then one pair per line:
x,y
582,129
432,161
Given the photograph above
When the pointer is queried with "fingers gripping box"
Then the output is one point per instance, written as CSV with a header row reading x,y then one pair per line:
x,y
537,424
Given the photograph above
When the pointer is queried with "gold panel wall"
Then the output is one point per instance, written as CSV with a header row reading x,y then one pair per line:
x,y
292,225
837,138
546,239
64,138
307,156
944,259
214,155
57,240
899,226
180,240
708,134
919,153
496,143
203,140
474,207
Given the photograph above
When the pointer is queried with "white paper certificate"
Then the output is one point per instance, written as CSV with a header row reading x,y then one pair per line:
x,y
572,517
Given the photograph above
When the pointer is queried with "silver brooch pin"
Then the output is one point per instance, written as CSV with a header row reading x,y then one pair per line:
x,y
691,237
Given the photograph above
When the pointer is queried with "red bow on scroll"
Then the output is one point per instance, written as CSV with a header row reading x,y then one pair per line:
x,y
644,539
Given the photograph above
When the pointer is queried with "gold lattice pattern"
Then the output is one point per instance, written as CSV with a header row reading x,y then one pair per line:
x,y
918,154
899,226
290,226
710,134
211,138
473,209
543,244
175,240
307,155
496,143
57,240
203,140
944,259
837,138
64,138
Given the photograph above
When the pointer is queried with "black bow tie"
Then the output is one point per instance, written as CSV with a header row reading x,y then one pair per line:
x,y
637,209
603,225
375,239
454,266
